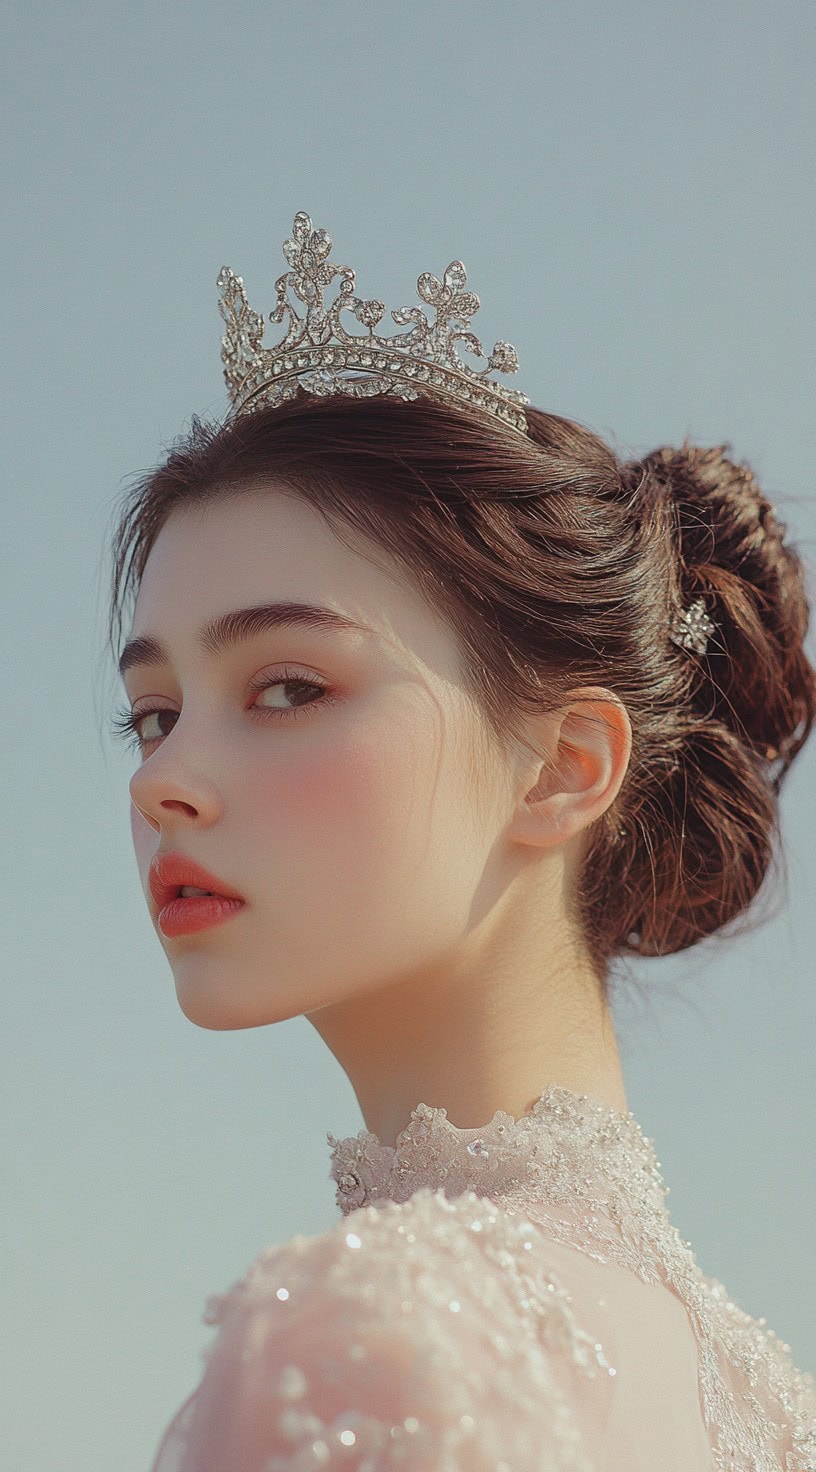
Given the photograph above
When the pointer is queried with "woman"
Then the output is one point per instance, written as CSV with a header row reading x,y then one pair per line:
x,y
446,707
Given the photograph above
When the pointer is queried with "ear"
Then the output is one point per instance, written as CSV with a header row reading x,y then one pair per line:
x,y
582,754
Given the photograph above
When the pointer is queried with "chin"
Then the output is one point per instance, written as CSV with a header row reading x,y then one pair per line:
x,y
213,1005
213,1008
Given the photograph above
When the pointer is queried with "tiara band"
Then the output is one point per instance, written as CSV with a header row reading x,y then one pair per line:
x,y
318,353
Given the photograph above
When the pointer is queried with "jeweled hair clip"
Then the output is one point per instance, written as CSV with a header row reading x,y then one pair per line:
x,y
692,628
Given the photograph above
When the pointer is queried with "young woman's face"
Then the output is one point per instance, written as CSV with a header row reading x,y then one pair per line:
x,y
356,820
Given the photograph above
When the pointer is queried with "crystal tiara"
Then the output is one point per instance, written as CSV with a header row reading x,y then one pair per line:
x,y
317,351
317,354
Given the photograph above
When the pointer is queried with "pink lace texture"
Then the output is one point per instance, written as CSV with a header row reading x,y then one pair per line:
x,y
508,1299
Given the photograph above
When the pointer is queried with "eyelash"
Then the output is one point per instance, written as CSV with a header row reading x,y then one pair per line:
x,y
125,723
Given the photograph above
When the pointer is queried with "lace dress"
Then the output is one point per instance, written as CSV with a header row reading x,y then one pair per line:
x,y
508,1299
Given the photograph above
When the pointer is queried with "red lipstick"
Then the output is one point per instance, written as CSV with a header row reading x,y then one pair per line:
x,y
179,914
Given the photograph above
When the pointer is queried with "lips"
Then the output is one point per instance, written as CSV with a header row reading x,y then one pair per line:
x,y
170,872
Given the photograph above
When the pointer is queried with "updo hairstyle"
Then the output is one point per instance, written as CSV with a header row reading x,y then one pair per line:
x,y
559,565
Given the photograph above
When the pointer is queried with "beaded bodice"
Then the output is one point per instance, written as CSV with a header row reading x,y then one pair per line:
x,y
589,1176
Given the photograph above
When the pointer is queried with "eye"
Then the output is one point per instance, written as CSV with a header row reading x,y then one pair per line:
x,y
127,724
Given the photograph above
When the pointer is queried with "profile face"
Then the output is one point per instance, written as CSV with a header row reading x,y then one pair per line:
x,y
356,815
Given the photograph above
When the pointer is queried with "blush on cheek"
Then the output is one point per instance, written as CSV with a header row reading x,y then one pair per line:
x,y
331,790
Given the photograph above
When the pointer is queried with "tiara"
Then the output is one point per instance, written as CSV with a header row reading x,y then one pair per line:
x,y
317,351
318,356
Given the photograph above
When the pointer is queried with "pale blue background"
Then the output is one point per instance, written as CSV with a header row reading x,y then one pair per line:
x,y
631,190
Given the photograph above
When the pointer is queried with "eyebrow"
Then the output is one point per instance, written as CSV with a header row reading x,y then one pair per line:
x,y
229,629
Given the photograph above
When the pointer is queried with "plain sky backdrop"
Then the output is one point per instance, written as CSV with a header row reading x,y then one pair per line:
x,y
631,189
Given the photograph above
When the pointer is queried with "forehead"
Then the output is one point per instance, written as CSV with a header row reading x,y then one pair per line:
x,y
252,546
258,541
264,544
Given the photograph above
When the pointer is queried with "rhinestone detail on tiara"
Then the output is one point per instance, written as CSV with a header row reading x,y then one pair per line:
x,y
318,352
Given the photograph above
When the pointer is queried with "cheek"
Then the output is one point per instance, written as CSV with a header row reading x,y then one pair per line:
x,y
374,813
349,817
328,795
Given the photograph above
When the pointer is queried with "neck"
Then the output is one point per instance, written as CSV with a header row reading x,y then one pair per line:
x,y
488,1030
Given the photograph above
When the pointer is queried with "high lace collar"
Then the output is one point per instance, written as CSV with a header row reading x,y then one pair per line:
x,y
567,1146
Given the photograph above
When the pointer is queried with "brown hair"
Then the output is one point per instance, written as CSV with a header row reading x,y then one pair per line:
x,y
558,565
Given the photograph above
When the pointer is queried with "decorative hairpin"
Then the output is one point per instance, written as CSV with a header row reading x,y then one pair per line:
x,y
317,351
692,628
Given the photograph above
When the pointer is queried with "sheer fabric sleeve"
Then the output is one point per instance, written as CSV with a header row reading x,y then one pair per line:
x,y
429,1336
